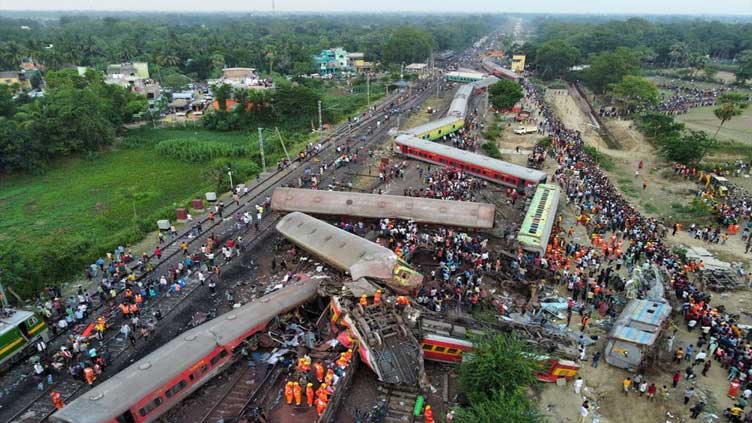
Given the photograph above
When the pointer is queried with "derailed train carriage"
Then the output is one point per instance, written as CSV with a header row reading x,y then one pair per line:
x,y
422,210
350,253
499,171
151,386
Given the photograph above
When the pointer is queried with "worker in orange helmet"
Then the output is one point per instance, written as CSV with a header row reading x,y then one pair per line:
x,y
57,399
319,371
322,392
320,406
377,297
428,415
297,392
363,300
289,392
309,394
329,379
342,361
348,354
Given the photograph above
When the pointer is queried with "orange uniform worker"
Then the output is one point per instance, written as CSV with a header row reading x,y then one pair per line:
x,y
319,371
377,297
133,309
289,392
329,379
57,399
309,394
402,301
320,406
297,392
428,415
363,300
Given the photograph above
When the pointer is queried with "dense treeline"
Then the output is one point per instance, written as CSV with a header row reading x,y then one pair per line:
x,y
77,114
619,48
200,45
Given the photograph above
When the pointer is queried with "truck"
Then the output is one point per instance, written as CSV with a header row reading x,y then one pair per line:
x,y
522,130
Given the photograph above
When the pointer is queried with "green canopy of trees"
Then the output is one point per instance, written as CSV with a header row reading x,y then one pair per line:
x,y
729,105
674,141
611,67
494,377
634,92
504,94
744,72
554,58
76,114
200,45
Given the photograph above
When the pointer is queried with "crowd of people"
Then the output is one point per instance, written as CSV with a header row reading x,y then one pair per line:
x,y
620,235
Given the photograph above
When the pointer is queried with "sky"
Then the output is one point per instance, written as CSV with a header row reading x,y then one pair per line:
x,y
684,7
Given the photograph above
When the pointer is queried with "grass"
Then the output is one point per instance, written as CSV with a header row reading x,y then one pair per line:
x,y
737,129
602,159
694,212
491,150
54,224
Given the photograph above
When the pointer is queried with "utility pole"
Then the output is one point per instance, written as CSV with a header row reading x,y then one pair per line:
x,y
368,89
261,148
2,294
321,126
281,141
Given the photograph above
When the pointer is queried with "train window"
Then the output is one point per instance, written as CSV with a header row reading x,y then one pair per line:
x,y
427,347
175,389
126,417
440,349
150,406
452,351
218,357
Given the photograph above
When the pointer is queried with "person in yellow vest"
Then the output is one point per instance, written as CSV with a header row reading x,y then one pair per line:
x,y
363,300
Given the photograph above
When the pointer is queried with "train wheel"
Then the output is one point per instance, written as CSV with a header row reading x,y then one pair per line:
x,y
402,331
374,339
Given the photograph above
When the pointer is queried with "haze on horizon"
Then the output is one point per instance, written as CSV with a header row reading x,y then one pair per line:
x,y
637,7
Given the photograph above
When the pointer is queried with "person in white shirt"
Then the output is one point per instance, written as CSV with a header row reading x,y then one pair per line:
x,y
578,385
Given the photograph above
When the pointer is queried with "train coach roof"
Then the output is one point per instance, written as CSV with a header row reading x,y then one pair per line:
x,y
458,108
485,82
343,250
423,210
117,394
472,158
114,396
16,317
430,126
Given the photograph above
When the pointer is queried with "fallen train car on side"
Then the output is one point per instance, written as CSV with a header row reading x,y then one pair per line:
x,y
539,220
464,214
151,386
349,253
501,172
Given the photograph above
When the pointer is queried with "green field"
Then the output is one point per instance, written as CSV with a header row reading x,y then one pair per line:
x,y
737,129
53,224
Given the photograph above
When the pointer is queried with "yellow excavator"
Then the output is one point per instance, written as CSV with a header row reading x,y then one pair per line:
x,y
714,184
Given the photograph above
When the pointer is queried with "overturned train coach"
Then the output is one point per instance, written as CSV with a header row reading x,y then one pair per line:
x,y
350,253
149,387
464,214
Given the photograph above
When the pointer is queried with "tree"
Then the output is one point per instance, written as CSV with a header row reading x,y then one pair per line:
x,y
635,92
688,148
697,62
514,408
660,126
730,105
744,71
710,70
408,44
554,58
501,363
611,67
504,94
222,94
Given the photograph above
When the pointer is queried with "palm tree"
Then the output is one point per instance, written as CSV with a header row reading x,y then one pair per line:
x,y
731,104
270,57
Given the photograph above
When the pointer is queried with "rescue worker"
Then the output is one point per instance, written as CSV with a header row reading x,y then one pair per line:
x,y
363,300
124,309
289,392
57,399
309,394
133,309
428,415
320,406
329,379
348,354
319,371
402,301
322,392
297,392
342,361
377,297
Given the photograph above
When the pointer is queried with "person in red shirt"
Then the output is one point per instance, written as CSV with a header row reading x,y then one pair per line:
x,y
676,378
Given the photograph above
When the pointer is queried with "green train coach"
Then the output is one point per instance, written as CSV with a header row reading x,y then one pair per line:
x,y
18,330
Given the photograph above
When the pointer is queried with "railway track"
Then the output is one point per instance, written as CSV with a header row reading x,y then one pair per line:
x,y
399,403
240,391
118,344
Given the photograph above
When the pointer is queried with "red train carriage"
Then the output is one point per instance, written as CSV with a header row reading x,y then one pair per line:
x,y
149,387
444,349
485,167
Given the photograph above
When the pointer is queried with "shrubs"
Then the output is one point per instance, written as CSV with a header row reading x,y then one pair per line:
x,y
491,150
200,151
